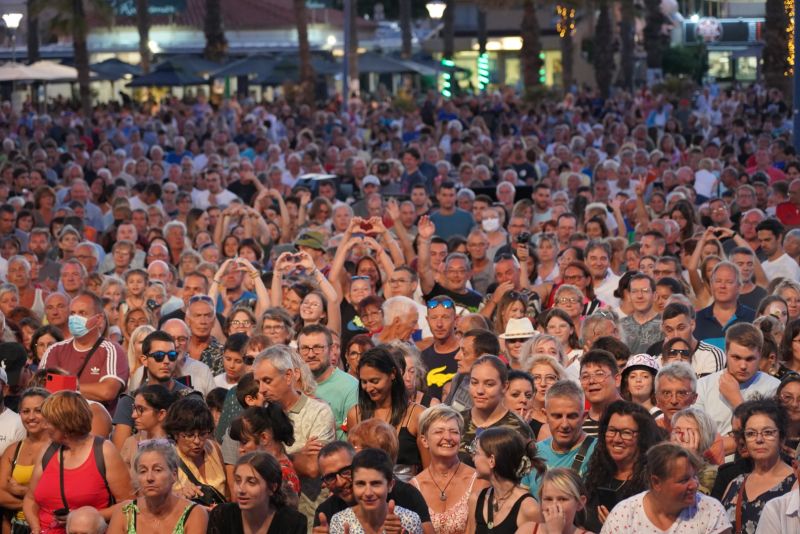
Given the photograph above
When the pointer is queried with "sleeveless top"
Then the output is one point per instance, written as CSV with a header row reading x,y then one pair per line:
x,y
83,486
22,475
132,509
508,525
38,303
454,519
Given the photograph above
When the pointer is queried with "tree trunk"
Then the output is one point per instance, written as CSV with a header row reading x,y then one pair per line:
x,y
405,27
603,50
567,61
143,26
776,46
448,20
653,38
216,43
355,84
32,27
81,52
626,30
483,34
531,46
304,49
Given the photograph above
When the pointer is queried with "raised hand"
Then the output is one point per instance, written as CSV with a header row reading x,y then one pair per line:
x,y
391,524
322,528
425,227
554,518
393,209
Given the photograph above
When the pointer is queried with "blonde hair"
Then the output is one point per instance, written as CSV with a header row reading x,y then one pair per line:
x,y
374,433
68,412
529,348
439,412
138,334
566,481
535,359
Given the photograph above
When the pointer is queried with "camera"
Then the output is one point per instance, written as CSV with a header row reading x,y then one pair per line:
x,y
524,238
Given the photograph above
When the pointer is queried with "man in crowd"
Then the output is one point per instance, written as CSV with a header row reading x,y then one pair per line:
x,y
475,343
439,357
777,262
678,321
600,380
643,327
449,219
726,310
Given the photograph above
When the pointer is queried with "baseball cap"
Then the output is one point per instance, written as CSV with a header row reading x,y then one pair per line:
x,y
313,240
370,179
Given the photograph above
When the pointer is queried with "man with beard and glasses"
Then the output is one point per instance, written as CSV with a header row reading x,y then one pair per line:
x,y
334,386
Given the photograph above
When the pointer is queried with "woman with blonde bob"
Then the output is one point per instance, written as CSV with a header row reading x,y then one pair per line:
x,y
542,344
157,508
693,429
562,497
447,483
70,465
545,371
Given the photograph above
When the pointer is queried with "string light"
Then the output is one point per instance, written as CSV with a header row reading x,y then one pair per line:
x,y
566,20
789,6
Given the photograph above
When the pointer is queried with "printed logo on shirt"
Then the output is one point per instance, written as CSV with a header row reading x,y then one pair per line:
x,y
437,377
94,371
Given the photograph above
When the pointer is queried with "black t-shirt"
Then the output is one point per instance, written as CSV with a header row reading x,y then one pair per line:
x,y
471,300
405,495
442,367
227,519
753,299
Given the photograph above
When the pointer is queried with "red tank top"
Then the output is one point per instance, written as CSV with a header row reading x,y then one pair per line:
x,y
83,486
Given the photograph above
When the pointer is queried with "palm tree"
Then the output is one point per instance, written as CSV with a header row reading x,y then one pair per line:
x,y
304,48
626,30
529,55
654,38
776,66
603,50
143,25
216,43
405,27
32,26
566,31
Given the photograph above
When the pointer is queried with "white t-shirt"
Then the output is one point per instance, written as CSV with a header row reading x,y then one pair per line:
x,y
710,400
605,291
221,382
11,428
707,516
784,266
200,198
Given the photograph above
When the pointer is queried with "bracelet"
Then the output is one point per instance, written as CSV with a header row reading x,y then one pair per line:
x,y
217,281
254,275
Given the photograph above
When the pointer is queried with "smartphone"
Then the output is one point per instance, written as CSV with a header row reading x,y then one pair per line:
x,y
55,383
185,380
607,497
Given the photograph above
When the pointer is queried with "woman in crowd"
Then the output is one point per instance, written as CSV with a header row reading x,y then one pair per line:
x,y
151,404
789,291
488,380
764,426
790,348
562,498
517,332
372,482
30,296
356,348
42,339
788,394
542,344
157,508
547,270
414,372
19,459
576,273
671,500
261,504
638,382
370,311
617,469
202,475
559,324
382,394
134,350
513,305
519,393
694,430
241,320
68,475
446,483
545,371
270,430
502,457
277,325
674,350
133,319
775,306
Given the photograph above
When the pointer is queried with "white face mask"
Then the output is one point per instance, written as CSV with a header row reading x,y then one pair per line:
x,y
490,225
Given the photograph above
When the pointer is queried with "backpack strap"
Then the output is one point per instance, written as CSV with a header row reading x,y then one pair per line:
x,y
16,455
52,449
577,463
100,462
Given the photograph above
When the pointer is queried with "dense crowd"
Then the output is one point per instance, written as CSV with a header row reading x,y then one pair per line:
x,y
480,315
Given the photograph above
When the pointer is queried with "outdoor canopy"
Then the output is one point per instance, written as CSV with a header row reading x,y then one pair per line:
x,y
167,75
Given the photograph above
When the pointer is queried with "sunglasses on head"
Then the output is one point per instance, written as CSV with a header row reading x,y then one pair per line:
x,y
441,301
679,352
160,355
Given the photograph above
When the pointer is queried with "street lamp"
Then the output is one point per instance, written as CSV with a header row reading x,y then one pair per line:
x,y
436,9
12,21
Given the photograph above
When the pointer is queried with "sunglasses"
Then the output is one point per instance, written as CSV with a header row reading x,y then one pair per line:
x,y
201,298
248,360
446,302
160,355
360,277
679,352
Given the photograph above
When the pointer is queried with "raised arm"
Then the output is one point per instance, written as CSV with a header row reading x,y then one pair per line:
x,y
263,301
277,278
305,198
337,266
331,295
427,279
642,215
214,291
393,209
698,286
286,220
616,208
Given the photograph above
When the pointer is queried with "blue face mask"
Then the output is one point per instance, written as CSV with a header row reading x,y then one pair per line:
x,y
77,326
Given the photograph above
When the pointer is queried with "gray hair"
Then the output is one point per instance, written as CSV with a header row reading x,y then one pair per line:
x,y
564,288
439,412
9,288
457,256
100,526
397,307
566,389
280,356
544,359
677,371
162,446
786,284
529,347
708,430
464,192
95,252
175,224
727,265
21,259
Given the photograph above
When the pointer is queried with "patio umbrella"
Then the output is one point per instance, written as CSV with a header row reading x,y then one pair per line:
x,y
288,69
50,71
15,72
167,75
115,69
256,64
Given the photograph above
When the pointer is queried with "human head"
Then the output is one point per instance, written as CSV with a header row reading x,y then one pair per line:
x,y
68,415
743,343
335,461
675,386
565,413
85,520
599,376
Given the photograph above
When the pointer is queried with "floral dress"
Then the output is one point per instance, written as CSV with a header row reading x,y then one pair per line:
x,y
751,510
408,519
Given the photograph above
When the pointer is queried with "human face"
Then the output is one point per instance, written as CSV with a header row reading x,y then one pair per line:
x,y
760,446
570,303
621,449
680,489
234,366
241,324
598,263
8,301
515,310
442,322
599,384
135,285
641,296
555,500
565,228
275,331
200,318
456,274
565,418
154,475
665,269
370,489
663,293
792,299
682,430
559,328
145,417
446,198
647,266
292,302
163,370
485,387
359,290
466,356
680,326
790,399
746,265
192,444
353,356
778,310
769,243
315,352
376,384
477,245
18,275
30,411
506,271
402,283
273,385
71,277
44,342
518,396
640,384
251,490
311,309
742,361
372,318
442,438
336,466
484,463
576,277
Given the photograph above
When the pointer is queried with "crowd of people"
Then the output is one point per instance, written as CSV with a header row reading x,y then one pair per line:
x,y
479,315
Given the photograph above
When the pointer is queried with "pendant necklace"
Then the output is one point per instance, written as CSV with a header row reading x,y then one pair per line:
x,y
442,494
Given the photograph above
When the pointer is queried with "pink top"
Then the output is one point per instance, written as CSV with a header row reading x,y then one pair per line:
x,y
454,519
83,486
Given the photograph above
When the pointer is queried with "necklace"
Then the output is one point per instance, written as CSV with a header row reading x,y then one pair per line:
x,y
442,494
498,501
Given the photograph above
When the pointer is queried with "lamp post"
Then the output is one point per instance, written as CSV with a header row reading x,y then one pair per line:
x,y
348,6
12,21
436,12
796,103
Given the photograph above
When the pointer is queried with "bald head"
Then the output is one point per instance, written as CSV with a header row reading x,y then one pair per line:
x,y
85,520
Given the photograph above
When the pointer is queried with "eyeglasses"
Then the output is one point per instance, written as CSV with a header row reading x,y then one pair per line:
x,y
681,395
181,339
545,379
574,278
273,328
625,433
345,472
459,272
445,302
245,323
160,355
642,291
768,434
786,398
395,281
679,352
316,349
139,409
517,340
567,300
194,436
599,376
